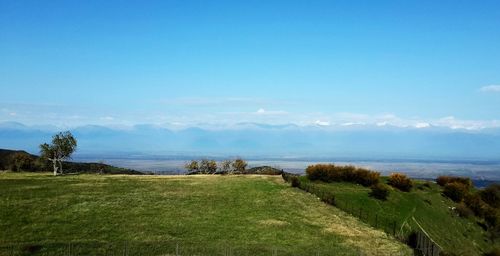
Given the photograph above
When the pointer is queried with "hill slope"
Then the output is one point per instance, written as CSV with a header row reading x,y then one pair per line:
x,y
424,206
208,215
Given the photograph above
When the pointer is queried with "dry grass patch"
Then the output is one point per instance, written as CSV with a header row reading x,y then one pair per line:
x,y
273,222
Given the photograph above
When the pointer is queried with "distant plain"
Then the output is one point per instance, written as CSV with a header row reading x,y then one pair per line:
x,y
423,169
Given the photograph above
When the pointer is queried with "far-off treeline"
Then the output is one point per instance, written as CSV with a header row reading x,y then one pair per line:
x,y
209,166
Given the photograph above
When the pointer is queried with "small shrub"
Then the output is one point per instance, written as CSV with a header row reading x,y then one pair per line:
x,y
443,180
295,181
424,186
380,191
491,195
455,191
306,186
323,194
476,204
400,181
328,198
366,177
491,217
464,211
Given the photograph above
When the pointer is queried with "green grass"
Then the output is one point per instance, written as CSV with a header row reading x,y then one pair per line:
x,y
423,204
157,215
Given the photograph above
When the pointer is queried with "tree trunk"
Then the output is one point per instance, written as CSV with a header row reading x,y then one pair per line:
x,y
60,166
54,164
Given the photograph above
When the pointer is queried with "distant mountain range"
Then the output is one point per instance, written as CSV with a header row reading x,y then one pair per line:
x,y
254,139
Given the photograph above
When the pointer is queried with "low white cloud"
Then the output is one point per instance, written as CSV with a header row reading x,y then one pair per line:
x,y
216,101
490,88
257,113
352,123
107,118
322,123
454,123
422,125
262,111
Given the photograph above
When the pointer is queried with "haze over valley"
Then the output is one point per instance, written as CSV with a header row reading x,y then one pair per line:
x,y
420,152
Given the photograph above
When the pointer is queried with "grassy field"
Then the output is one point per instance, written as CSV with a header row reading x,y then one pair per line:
x,y
162,215
424,206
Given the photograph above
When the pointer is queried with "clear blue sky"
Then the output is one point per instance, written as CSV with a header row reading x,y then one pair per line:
x,y
186,62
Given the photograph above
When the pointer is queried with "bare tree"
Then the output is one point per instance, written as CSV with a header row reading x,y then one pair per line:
x,y
208,166
192,166
226,166
239,165
62,146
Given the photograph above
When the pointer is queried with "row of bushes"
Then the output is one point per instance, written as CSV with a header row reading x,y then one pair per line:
x,y
380,191
209,166
330,173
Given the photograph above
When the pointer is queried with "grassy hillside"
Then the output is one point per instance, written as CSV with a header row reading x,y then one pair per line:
x,y
423,205
153,215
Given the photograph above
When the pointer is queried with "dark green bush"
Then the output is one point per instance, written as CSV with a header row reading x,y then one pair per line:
x,y
328,197
491,195
295,181
380,191
492,217
464,211
455,191
21,161
476,204
400,181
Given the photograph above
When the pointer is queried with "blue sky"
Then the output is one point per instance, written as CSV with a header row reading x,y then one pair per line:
x,y
186,63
